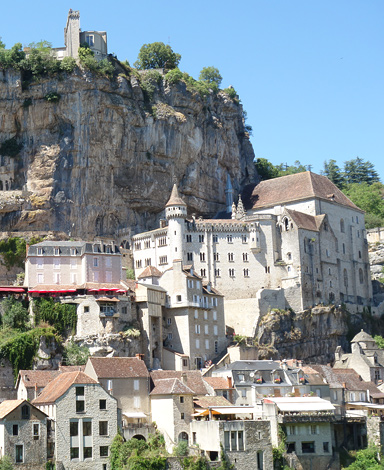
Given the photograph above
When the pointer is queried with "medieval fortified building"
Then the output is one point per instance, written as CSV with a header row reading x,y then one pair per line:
x,y
162,351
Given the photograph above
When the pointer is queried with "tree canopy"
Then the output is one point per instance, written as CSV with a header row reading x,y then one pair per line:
x,y
157,55
211,76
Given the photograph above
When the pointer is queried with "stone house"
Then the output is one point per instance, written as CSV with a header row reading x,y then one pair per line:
x,y
308,425
247,443
300,242
126,379
254,379
150,302
192,378
85,420
23,434
172,408
366,358
74,38
221,387
193,316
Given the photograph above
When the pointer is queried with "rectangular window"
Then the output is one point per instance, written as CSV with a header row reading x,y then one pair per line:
x,y
217,272
202,257
214,315
197,344
206,329
56,277
197,329
19,451
169,321
215,238
181,399
189,238
326,447
73,428
79,391
15,429
205,315
226,441
87,453
136,402
229,238
103,428
40,278
181,415
240,440
80,406
244,393
36,431
90,40
233,440
136,384
215,330
56,263
170,336
201,238
95,262
308,447
87,428
103,404
73,251
108,262
196,313
244,238
103,451
73,263
74,453
207,344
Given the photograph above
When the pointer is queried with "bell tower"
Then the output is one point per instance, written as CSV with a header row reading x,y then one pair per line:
x,y
176,213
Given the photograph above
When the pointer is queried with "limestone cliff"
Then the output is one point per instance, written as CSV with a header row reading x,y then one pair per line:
x,y
103,157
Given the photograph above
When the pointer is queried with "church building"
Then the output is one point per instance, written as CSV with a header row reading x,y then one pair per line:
x,y
297,241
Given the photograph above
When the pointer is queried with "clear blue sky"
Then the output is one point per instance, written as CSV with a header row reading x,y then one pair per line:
x,y
309,72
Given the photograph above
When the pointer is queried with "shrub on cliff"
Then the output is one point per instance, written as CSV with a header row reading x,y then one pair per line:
x,y
157,55
211,76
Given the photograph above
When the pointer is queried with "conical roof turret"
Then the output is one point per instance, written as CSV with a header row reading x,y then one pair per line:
x,y
175,199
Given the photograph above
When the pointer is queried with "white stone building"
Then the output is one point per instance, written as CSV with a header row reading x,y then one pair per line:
x,y
301,242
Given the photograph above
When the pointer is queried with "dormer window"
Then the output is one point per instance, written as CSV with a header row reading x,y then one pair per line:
x,y
241,377
95,249
39,251
56,251
73,251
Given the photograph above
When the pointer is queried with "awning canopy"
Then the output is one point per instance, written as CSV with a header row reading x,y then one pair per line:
x,y
106,299
134,414
233,410
13,289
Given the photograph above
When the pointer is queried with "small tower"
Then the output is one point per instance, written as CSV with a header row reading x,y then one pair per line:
x,y
229,194
72,34
240,212
176,213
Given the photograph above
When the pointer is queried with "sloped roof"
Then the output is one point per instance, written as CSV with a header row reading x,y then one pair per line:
x,y
219,383
329,375
171,387
205,402
351,379
150,271
7,406
39,378
306,221
118,367
58,386
251,365
300,186
175,199
194,379
362,336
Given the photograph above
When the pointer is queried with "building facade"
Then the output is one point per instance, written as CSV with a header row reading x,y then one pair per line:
x,y
300,242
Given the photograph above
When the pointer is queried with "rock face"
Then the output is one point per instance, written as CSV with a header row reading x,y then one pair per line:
x,y
103,158
376,261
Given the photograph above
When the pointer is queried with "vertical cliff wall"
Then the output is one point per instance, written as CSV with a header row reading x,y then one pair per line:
x,y
103,157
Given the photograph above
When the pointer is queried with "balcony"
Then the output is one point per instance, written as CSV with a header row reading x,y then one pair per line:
x,y
306,418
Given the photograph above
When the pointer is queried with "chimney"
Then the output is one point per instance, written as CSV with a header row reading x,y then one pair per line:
x,y
184,378
35,390
140,356
229,381
26,249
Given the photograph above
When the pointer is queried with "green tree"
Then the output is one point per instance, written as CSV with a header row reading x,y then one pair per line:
x,y
379,341
13,251
333,173
368,198
359,171
366,459
265,169
2,45
11,58
297,167
211,76
157,55
15,315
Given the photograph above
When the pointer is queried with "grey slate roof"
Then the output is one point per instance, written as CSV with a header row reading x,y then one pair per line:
x,y
362,336
65,248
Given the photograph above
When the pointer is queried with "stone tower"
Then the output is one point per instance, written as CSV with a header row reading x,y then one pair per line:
x,y
72,34
176,213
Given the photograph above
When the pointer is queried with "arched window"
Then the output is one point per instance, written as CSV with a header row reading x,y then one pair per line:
x,y
286,224
342,227
183,436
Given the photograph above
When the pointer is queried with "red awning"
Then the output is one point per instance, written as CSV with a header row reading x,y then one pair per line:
x,y
12,289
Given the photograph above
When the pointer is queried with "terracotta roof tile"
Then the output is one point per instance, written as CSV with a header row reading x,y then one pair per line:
x,y
60,385
40,378
205,402
299,186
118,367
219,383
175,198
150,271
7,406
171,387
194,379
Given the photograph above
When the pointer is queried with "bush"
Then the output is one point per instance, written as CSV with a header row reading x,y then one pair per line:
x,y
6,463
211,76
232,93
174,76
52,97
13,251
75,355
149,82
68,64
15,314
366,459
62,317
